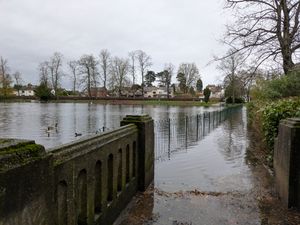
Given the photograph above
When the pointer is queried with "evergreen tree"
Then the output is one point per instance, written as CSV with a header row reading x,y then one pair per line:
x,y
199,85
206,94
150,78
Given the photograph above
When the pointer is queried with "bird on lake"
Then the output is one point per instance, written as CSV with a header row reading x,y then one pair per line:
x,y
78,134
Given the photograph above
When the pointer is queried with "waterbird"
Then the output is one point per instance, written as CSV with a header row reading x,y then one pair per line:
x,y
78,134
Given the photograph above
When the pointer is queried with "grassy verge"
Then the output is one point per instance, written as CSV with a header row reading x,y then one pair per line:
x,y
154,102
132,102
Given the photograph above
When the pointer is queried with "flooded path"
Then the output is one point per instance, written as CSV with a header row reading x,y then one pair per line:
x,y
205,169
213,180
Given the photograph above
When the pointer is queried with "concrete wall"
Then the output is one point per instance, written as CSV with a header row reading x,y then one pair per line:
x,y
88,181
287,162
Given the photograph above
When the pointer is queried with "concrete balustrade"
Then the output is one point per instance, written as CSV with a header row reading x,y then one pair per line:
x,y
89,181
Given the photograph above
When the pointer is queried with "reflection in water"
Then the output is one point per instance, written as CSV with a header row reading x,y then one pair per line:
x,y
178,134
209,157
31,120
206,180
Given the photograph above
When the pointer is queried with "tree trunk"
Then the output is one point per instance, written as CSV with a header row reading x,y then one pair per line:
x,y
287,61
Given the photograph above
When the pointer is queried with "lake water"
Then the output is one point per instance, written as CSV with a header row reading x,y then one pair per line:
x,y
196,148
193,145
31,120
203,174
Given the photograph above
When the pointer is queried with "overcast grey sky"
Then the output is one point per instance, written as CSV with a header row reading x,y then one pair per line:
x,y
171,31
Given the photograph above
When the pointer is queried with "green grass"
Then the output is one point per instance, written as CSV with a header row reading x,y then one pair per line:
x,y
163,102
144,102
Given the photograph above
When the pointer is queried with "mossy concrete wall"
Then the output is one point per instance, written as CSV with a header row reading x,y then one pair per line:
x,y
89,181
25,183
287,162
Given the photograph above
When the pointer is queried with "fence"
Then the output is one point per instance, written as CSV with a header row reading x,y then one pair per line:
x,y
177,134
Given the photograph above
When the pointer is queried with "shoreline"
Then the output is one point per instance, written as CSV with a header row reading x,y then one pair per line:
x,y
119,101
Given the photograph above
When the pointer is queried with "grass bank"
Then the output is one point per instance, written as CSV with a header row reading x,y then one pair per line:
x,y
144,102
116,101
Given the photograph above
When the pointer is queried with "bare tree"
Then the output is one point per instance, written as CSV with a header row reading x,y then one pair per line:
x,y
231,68
104,64
55,70
5,78
44,73
18,81
95,74
74,66
187,76
145,63
132,58
88,70
267,29
119,70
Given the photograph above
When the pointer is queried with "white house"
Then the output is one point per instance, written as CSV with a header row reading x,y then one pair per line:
x,y
25,91
157,92
216,91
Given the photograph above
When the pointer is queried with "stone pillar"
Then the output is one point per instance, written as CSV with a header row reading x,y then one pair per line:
x,y
145,149
287,162
25,183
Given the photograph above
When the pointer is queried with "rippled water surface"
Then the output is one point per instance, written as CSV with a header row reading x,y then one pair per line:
x,y
216,162
31,120
195,147
202,172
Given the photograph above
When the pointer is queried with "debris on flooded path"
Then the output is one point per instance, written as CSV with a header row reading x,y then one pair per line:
x,y
258,206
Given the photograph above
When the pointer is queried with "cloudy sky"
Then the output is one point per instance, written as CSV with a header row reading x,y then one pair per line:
x,y
170,31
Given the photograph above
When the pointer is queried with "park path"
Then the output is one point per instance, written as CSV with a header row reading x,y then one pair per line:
x,y
215,181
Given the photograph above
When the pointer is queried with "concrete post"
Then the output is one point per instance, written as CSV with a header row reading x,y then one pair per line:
x,y
287,162
145,150
25,183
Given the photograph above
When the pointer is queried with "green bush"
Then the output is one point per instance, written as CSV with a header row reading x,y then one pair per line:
x,y
283,87
238,100
273,113
264,118
43,92
206,93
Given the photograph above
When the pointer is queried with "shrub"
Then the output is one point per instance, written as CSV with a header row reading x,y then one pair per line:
x,y
285,86
273,113
238,100
264,118
43,92
206,93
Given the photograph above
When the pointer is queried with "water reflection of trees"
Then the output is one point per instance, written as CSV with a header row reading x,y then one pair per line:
x,y
176,128
180,132
234,135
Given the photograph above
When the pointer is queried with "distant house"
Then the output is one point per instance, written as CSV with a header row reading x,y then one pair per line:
x,y
150,92
201,96
216,91
157,92
25,91
129,92
99,92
